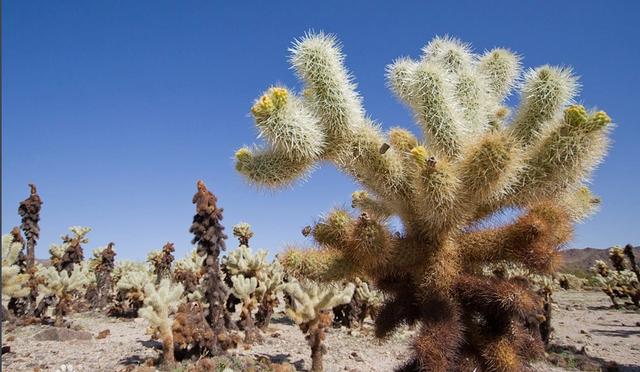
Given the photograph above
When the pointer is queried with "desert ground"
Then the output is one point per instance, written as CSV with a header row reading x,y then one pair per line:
x,y
589,335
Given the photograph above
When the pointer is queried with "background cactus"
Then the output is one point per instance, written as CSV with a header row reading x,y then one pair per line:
x,y
159,304
102,264
270,285
243,232
473,162
130,284
29,211
188,271
209,236
14,283
619,283
63,284
244,289
70,252
309,305
161,261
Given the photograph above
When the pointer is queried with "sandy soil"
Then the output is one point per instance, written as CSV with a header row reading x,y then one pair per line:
x,y
582,319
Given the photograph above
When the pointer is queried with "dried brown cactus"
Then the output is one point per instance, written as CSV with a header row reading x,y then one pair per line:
x,y
104,281
191,332
29,211
161,261
209,236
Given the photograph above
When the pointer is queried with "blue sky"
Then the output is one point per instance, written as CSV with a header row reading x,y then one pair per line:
x,y
115,108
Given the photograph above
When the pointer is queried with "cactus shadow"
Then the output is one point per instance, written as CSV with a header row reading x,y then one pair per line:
x,y
282,320
132,360
282,358
153,344
616,332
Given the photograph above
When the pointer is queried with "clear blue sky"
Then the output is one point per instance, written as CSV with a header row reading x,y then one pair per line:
x,y
115,108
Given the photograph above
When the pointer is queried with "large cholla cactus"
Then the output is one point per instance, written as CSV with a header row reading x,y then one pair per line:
x,y
62,284
14,283
161,261
309,305
474,161
209,236
159,304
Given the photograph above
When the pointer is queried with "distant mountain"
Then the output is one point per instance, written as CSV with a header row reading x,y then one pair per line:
x,y
580,260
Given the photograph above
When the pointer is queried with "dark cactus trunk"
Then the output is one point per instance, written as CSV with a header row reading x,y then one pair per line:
x,y
628,251
29,211
210,239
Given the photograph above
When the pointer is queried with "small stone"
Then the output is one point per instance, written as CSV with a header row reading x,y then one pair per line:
x,y
584,332
103,334
62,334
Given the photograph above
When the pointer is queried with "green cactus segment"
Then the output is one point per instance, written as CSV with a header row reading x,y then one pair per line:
x,y
439,118
501,68
330,92
270,168
545,92
289,127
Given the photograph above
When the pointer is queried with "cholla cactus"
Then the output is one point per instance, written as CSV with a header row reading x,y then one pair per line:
x,y
103,264
62,285
29,210
191,332
628,251
310,307
616,255
370,300
243,232
244,289
188,271
243,261
270,284
70,252
209,236
130,289
159,304
14,283
617,284
161,261
124,266
473,162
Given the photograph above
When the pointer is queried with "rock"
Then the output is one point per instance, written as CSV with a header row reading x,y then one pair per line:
x,y
356,357
62,334
584,332
6,349
104,333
